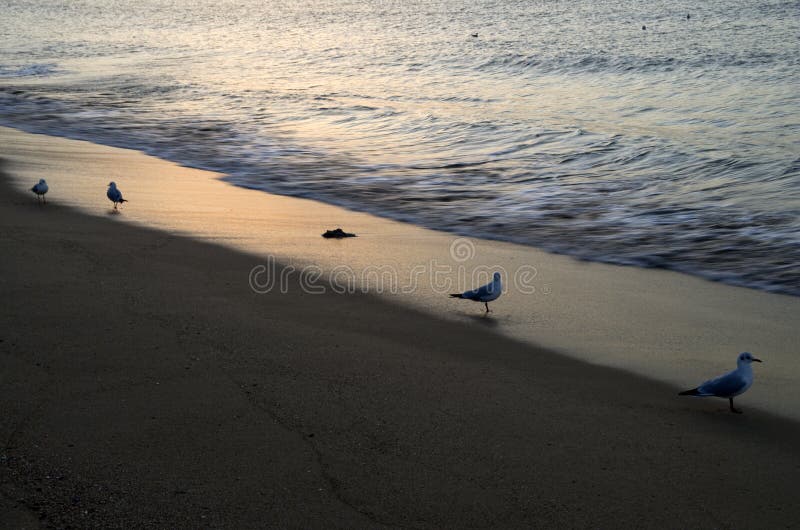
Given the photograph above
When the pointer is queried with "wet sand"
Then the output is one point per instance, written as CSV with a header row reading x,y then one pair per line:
x,y
144,383
669,326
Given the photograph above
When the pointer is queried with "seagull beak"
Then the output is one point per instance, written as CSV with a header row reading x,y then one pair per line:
x,y
757,360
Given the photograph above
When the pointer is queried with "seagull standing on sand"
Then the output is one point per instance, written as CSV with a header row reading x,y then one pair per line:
x,y
114,195
487,293
40,189
729,385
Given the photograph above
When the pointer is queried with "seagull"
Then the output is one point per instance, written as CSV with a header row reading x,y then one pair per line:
x,y
487,293
729,385
40,189
114,195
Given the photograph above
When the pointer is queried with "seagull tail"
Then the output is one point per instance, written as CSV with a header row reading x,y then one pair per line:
x,y
123,200
692,392
455,295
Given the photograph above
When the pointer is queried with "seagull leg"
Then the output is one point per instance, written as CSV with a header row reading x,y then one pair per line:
x,y
734,409
487,307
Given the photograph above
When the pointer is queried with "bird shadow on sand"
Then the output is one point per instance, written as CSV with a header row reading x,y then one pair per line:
x,y
485,319
113,212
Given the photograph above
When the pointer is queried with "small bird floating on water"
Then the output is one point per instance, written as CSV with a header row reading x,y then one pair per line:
x,y
486,293
729,385
40,190
114,195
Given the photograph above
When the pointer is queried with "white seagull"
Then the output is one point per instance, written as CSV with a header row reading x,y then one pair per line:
x,y
114,195
40,189
729,385
486,293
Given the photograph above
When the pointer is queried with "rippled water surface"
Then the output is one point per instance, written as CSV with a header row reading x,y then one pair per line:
x,y
564,125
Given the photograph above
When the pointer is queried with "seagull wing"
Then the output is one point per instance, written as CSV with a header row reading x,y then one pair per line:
x,y
730,384
480,292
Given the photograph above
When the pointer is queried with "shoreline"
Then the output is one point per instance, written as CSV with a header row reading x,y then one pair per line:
x,y
398,217
661,324
159,390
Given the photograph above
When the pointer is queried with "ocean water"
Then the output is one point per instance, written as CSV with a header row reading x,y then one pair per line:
x,y
562,124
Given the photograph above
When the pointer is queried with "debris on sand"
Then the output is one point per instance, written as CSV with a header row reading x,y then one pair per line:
x,y
337,234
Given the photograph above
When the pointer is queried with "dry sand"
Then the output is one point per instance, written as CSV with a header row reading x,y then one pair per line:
x,y
143,383
672,327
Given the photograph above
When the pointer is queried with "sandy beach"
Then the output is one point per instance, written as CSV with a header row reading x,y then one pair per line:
x,y
668,326
145,384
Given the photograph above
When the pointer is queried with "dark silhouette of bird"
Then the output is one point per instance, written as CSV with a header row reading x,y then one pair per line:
x,y
114,195
40,189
